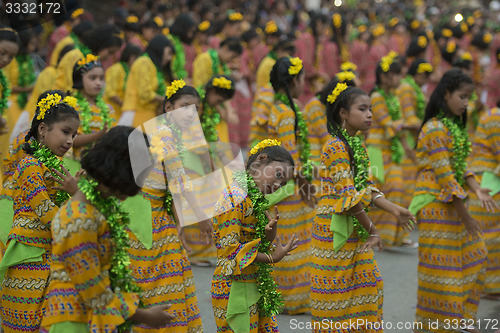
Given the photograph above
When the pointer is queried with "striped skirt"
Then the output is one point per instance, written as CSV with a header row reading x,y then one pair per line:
x,y
451,268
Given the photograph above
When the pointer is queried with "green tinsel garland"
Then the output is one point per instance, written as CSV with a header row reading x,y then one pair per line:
x,y
179,62
302,138
126,69
86,112
271,301
461,145
216,62
79,45
52,162
420,111
394,108
4,100
120,275
26,77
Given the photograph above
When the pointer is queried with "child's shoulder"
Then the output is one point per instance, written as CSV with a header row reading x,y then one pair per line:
x,y
231,197
29,162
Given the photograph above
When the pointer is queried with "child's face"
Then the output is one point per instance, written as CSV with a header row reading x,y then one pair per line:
x,y
8,51
359,116
270,177
93,81
226,55
149,33
213,99
32,45
59,136
421,79
458,100
392,80
183,116
107,53
167,55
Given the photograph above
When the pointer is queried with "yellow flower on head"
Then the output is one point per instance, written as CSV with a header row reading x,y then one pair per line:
x,y
158,20
487,38
174,87
477,13
132,19
378,31
340,87
70,100
121,35
430,34
424,67
88,59
221,82
415,24
337,20
345,76
264,144
451,46
447,33
466,56
165,31
422,41
296,66
470,20
362,28
387,61
464,27
235,17
393,21
77,13
203,26
46,103
271,27
348,66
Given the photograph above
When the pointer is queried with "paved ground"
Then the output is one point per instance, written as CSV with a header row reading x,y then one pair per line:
x,y
399,271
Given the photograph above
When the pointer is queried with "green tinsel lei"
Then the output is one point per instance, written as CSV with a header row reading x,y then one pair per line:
x,y
86,112
26,77
52,162
302,138
126,69
79,45
360,167
271,301
216,63
420,112
4,100
461,145
120,274
179,62
394,108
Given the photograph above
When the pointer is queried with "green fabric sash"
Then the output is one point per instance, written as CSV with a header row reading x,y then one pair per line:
x,y
281,194
420,201
19,253
342,227
376,162
491,181
193,162
242,296
141,221
6,218
69,326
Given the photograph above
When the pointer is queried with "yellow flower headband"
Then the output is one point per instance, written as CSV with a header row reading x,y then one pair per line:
x,y
451,46
470,20
235,17
53,99
487,38
87,60
264,144
387,61
424,67
415,24
464,27
378,31
422,41
337,20
393,21
477,13
362,28
158,21
203,26
340,87
165,31
447,33
296,66
345,76
77,13
221,82
132,19
271,27
174,87
466,56
348,66
121,35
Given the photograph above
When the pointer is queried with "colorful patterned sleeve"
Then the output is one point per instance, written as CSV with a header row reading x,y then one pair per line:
x,y
233,254
281,126
492,128
407,99
436,143
76,246
381,116
147,80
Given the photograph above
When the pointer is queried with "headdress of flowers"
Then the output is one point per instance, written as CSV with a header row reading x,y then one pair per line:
x,y
424,67
271,27
235,17
345,76
296,66
378,30
387,61
447,33
337,20
53,99
348,66
340,87
158,21
393,21
132,19
415,24
203,26
89,61
487,38
422,41
466,56
464,27
264,144
451,46
77,13
174,87
221,82
362,28
470,21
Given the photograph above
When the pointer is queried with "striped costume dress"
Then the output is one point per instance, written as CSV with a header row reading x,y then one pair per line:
x,y
451,263
346,286
164,272
485,157
24,285
234,233
292,273
381,132
79,289
261,107
10,162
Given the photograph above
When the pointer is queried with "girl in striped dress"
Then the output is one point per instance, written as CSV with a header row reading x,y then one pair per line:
x,y
346,285
452,253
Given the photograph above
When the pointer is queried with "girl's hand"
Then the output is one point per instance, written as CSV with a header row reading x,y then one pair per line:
x,y
232,117
405,219
373,240
154,317
307,191
483,194
206,231
410,153
272,226
472,227
182,238
282,250
68,183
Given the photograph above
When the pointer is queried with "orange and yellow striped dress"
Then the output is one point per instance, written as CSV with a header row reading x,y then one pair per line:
x,y
261,107
115,86
485,157
381,132
451,263
292,273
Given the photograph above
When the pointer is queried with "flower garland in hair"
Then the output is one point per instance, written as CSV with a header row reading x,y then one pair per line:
x,y
26,77
5,92
216,63
419,95
302,138
79,45
86,112
461,145
209,119
126,69
120,275
271,301
179,62
394,108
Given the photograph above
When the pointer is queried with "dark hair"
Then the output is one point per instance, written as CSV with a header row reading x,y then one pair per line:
x,y
108,162
343,101
449,56
498,55
130,50
81,28
65,50
249,35
181,26
339,33
457,31
451,81
314,21
462,63
414,67
24,36
150,23
394,68
225,93
285,45
102,37
281,79
186,90
274,154
55,114
155,52
132,26
233,44
414,49
328,88
478,40
8,34
78,72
